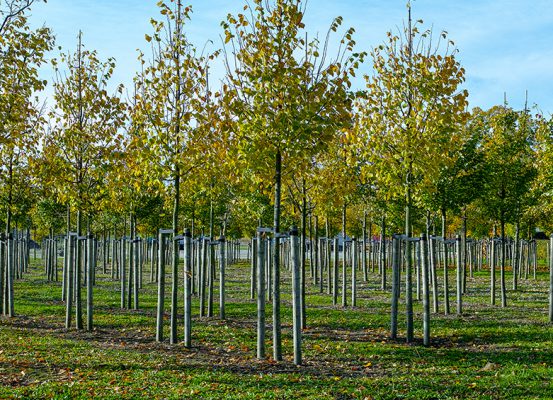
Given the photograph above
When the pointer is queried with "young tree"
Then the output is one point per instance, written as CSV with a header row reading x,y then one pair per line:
x,y
408,118
510,159
172,95
22,52
543,184
78,148
459,181
286,97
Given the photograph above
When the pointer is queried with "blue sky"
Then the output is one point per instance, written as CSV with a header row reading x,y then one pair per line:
x,y
504,45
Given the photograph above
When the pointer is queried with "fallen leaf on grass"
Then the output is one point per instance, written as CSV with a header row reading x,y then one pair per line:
x,y
490,367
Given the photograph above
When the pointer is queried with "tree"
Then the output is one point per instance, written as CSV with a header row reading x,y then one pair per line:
x,y
11,12
509,155
22,52
459,182
408,118
77,149
543,184
287,98
172,95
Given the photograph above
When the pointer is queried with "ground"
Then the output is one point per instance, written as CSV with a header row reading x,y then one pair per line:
x,y
488,352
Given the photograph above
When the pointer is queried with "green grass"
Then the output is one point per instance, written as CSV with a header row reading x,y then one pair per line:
x,y
488,352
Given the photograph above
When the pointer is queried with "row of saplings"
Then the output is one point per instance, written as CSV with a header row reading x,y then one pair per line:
x,y
333,263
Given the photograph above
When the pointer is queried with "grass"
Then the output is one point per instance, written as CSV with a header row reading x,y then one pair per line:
x,y
489,352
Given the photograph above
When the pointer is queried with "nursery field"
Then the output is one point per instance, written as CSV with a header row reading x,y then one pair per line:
x,y
488,352
370,167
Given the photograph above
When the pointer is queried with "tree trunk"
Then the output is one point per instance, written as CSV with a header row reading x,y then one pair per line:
x,y
188,287
364,249
396,268
66,256
354,272
302,256
123,266
175,259
551,279
464,251
409,266
432,263
383,253
78,269
446,260
458,242
69,280
316,257
203,274
296,296
515,260
2,273
132,262
222,265
335,272
160,287
210,281
260,296
89,282
10,198
502,272
253,283
277,343
491,262
425,291
104,249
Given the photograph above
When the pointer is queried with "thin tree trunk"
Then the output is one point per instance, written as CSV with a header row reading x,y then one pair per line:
x,y
446,260
89,282
335,272
253,283
458,242
492,270
78,266
10,266
364,249
137,263
383,253
210,281
260,296
302,256
502,272
188,287
409,266
425,291
396,248
69,281
551,279
175,259
2,273
464,251
354,272
160,287
277,342
296,296
130,280
222,266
